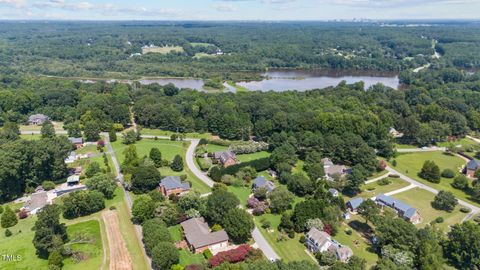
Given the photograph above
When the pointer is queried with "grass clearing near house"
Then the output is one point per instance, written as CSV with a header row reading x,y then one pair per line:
x,y
357,243
421,200
253,156
58,126
405,146
378,174
242,193
187,257
168,149
411,164
92,250
212,148
201,44
162,50
176,233
464,142
288,249
159,132
373,189
204,55
30,137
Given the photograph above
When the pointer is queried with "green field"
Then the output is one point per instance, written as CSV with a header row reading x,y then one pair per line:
x,y
250,157
92,249
30,137
464,142
187,257
58,126
169,149
373,189
421,200
411,164
162,50
242,193
159,132
288,249
212,148
201,44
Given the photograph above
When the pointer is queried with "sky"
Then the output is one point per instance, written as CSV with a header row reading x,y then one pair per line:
x,y
267,10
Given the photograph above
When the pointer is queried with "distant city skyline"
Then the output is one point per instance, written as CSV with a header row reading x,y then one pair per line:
x,y
238,9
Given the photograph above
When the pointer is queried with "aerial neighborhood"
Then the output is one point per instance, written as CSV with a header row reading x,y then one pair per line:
x,y
202,145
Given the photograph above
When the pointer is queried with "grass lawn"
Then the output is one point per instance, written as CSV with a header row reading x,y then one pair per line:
x,y
357,243
421,200
404,146
288,249
30,137
58,126
201,44
162,50
159,132
464,142
411,164
378,174
373,189
242,193
92,250
250,157
212,148
169,149
187,258
176,233
20,243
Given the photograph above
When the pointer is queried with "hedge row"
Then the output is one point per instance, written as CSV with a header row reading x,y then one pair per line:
x,y
259,165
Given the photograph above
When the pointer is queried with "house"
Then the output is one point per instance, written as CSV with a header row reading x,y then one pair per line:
x,y
72,157
226,158
334,192
473,166
173,185
73,180
395,133
261,182
37,119
37,201
353,204
320,241
78,142
332,169
200,238
402,209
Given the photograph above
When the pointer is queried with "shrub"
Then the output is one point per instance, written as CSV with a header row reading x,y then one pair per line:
x,y
303,239
430,171
207,254
439,220
8,219
216,227
460,182
55,258
8,233
266,224
232,256
48,185
113,207
394,176
348,232
291,234
204,164
248,147
465,210
448,173
384,182
164,255
1,209
477,219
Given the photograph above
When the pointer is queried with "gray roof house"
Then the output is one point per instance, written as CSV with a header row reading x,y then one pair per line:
x,y
74,140
353,204
37,201
320,241
37,119
261,182
403,210
173,185
332,169
226,158
473,164
199,237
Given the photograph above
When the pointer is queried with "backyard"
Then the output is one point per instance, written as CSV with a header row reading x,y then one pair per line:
x,y
411,164
168,149
421,200
375,188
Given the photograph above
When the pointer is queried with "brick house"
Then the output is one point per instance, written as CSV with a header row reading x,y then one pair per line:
x,y
472,167
173,185
226,158
402,209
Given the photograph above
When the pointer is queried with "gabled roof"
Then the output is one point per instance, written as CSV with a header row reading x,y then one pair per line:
x,y
320,237
38,116
223,156
174,182
355,203
260,182
198,234
473,164
407,210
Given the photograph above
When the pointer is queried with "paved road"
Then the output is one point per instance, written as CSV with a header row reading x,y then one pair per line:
x,y
257,236
474,208
474,139
426,149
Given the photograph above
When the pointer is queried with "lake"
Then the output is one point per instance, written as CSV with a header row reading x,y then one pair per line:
x,y
283,80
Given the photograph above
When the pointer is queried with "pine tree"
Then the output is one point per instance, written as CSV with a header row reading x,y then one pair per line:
x,y
9,218
177,163
156,156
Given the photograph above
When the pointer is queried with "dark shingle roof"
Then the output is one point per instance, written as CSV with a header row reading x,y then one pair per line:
x,y
223,156
473,164
260,182
173,182
407,210
75,140
198,234
355,203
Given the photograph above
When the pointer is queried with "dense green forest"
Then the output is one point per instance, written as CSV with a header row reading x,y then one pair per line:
x,y
104,49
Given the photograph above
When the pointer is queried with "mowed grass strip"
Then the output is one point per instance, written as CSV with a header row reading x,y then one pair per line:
x,y
92,249
373,189
421,200
411,164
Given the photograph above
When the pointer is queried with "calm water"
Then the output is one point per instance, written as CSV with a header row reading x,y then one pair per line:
x,y
294,80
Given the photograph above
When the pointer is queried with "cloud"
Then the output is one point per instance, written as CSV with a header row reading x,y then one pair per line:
x,y
225,7
393,3
15,3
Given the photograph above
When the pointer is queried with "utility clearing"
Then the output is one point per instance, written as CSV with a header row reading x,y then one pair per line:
x,y
119,256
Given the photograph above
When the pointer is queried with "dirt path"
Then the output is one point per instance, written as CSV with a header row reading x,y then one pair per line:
x,y
119,256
